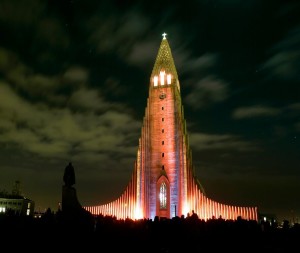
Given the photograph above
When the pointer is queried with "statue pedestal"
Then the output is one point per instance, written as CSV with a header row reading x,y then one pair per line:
x,y
74,216
70,203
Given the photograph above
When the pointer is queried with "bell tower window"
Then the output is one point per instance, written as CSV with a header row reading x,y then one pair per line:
x,y
155,80
162,78
169,79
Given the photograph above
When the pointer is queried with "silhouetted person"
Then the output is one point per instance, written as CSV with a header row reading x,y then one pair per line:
x,y
194,215
69,175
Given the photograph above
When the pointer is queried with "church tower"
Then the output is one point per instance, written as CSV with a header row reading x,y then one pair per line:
x,y
163,182
163,151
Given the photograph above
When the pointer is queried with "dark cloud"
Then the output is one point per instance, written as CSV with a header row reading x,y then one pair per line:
x,y
22,13
295,106
254,112
87,100
207,91
142,53
76,74
116,33
51,34
59,132
200,141
285,60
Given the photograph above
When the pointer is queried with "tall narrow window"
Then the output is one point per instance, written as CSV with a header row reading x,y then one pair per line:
x,y
163,155
162,77
155,80
162,142
162,108
163,130
163,196
169,79
162,119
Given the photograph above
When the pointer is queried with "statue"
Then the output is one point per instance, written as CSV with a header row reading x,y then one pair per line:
x,y
69,175
73,213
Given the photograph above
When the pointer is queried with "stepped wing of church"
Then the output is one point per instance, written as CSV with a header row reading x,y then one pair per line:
x,y
163,182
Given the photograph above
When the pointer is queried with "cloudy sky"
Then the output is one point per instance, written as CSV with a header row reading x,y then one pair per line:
x,y
74,78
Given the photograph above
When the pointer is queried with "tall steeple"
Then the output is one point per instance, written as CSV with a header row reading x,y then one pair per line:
x,y
164,66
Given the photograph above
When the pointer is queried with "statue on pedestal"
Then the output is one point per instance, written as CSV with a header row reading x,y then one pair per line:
x,y
72,211
69,175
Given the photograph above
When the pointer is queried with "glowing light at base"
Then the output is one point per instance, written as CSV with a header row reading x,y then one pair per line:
x,y
138,214
186,209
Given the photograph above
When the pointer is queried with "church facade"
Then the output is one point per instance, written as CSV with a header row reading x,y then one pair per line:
x,y
163,182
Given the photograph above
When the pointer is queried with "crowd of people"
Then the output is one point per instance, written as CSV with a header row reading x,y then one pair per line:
x,y
179,234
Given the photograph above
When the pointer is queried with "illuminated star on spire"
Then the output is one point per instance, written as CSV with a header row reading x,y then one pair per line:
x,y
164,35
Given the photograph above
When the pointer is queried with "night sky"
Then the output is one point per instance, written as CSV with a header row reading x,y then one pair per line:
x,y
74,79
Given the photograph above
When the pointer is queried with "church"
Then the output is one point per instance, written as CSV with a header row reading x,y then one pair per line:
x,y
163,182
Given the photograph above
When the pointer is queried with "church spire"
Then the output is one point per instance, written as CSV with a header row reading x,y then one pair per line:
x,y
164,66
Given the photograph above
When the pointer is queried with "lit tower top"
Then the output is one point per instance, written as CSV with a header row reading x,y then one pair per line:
x,y
164,72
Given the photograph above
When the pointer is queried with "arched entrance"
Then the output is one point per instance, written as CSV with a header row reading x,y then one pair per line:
x,y
163,197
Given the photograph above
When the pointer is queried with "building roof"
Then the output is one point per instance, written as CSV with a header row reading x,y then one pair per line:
x,y
164,60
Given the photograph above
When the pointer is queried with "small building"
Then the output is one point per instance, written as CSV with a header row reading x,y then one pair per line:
x,y
16,205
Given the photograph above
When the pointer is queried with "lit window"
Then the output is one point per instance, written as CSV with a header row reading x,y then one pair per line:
x,y
28,211
28,205
169,79
163,196
162,77
155,80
